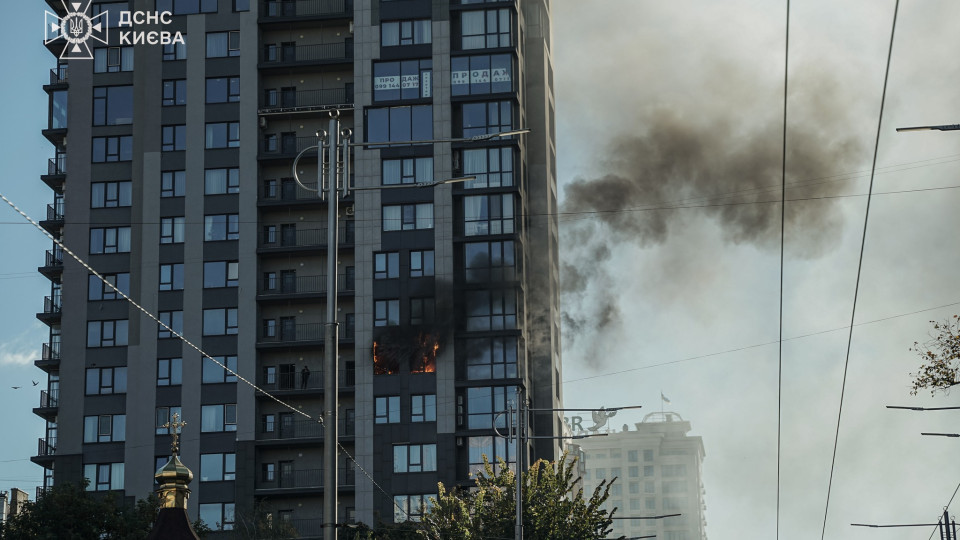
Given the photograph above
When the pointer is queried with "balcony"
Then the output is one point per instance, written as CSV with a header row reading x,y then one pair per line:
x,y
284,146
58,78
49,404
297,430
292,383
54,221
46,449
306,287
308,55
51,310
305,101
304,481
53,263
56,173
49,358
290,239
272,11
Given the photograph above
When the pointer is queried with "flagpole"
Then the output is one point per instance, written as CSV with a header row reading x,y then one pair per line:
x,y
661,404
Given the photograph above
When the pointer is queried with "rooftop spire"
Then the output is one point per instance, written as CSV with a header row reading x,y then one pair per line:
x,y
174,477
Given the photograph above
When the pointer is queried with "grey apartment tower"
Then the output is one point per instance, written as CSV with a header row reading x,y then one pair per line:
x,y
172,176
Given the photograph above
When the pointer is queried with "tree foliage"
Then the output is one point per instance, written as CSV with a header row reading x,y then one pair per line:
x,y
68,511
940,358
553,506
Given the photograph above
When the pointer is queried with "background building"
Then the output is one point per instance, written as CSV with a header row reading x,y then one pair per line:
x,y
179,191
658,468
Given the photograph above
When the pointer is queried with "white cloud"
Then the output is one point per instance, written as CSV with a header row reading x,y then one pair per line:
x,y
23,349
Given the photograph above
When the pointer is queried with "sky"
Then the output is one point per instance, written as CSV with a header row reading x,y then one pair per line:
x,y
666,102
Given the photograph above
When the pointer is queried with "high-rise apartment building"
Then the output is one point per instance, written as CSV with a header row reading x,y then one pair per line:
x,y
179,191
658,471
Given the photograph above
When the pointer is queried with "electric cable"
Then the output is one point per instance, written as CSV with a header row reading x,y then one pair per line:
x,y
783,221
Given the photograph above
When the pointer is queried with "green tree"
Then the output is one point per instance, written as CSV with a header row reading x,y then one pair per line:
x,y
68,511
940,358
553,506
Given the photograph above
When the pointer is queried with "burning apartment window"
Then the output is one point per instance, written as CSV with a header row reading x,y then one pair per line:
x,y
385,362
402,347
492,358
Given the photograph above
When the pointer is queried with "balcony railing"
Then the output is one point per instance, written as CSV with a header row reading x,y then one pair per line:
x,y
294,332
51,305
294,381
54,257
57,165
58,75
305,8
302,429
310,284
311,53
306,478
49,400
303,238
46,447
307,99
51,351
281,145
55,211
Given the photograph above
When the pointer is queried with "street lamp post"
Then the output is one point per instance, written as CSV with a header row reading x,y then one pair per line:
x,y
336,169
946,127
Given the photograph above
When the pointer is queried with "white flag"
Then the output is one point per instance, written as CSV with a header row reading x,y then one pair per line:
x,y
664,398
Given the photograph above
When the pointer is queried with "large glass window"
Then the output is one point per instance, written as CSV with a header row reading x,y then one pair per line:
x,y
109,149
223,89
386,265
214,373
109,240
491,309
112,105
223,44
413,32
174,92
409,458
103,476
407,170
218,516
411,507
492,358
493,449
407,79
187,7
112,9
174,138
98,290
485,29
404,123
217,274
106,381
171,230
110,194
104,428
223,135
112,59
169,371
423,408
387,410
487,406
486,118
171,277
386,312
492,167
58,110
421,263
164,417
215,418
174,51
173,183
408,217
218,467
485,74
173,320
221,181
489,261
488,214
220,321
221,227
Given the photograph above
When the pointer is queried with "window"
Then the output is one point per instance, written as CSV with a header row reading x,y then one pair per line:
x,y
171,277
220,322
492,167
405,123
492,358
169,372
423,408
387,410
223,44
221,227
634,488
164,417
175,51
241,5
632,456
411,507
269,422
218,418
268,472
485,29
221,181
103,476
110,149
104,428
223,90
674,486
171,230
174,320
408,217
174,92
223,135
421,263
218,516
173,183
648,470
187,7
386,265
491,309
112,105
410,458
648,455
110,194
407,171
633,472
486,405
58,110
106,381
422,311
674,503
649,487
485,74
107,333
489,261
112,9
488,214
414,32
214,373
600,474
386,312
218,467
407,79
112,59
98,290
486,118
673,470
493,449
174,138
217,274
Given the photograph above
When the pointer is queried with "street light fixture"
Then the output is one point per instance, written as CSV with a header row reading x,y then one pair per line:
x,y
337,165
947,127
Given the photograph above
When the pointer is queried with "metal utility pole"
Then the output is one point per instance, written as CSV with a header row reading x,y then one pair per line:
x,y
331,336
948,528
520,410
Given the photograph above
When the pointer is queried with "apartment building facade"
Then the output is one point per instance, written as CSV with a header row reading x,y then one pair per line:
x,y
180,192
